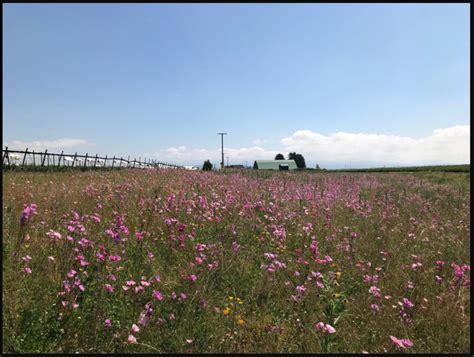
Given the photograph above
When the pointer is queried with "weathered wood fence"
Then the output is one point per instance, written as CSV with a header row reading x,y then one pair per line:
x,y
32,159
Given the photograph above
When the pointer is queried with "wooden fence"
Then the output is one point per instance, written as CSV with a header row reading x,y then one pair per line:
x,y
32,159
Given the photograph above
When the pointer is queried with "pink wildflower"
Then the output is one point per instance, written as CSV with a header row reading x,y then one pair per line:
x,y
403,343
53,234
326,328
301,289
28,210
375,291
157,295
235,246
375,307
26,258
407,303
319,326
115,258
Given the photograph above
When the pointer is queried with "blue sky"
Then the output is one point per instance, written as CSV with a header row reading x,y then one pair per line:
x,y
336,82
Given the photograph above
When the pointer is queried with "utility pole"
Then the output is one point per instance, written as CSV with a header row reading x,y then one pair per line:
x,y
222,143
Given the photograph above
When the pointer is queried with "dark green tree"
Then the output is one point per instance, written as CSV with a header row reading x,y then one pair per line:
x,y
207,166
279,157
299,160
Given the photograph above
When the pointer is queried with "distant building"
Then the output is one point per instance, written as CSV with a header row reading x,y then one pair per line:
x,y
280,165
235,166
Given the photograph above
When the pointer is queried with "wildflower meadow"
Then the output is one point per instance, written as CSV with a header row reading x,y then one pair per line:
x,y
240,261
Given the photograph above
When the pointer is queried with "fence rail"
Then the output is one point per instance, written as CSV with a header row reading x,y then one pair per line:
x,y
19,158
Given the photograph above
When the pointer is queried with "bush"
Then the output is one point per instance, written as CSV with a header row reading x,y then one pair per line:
x,y
207,166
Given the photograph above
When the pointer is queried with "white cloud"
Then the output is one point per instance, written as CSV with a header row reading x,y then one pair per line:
x,y
444,146
50,145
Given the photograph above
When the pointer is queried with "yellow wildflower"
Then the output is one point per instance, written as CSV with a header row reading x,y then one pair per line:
x,y
338,275
241,322
230,297
226,311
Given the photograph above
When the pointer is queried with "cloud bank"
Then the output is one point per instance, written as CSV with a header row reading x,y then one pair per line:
x,y
443,146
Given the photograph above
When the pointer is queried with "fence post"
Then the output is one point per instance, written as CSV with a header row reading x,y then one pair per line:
x,y
59,159
105,161
6,154
120,161
95,162
74,160
44,157
113,161
34,161
24,158
85,160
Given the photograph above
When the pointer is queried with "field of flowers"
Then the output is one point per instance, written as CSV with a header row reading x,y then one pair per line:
x,y
198,262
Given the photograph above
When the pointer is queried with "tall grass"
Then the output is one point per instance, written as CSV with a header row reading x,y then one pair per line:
x,y
245,261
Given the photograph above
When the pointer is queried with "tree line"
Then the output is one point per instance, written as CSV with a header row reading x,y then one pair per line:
x,y
299,159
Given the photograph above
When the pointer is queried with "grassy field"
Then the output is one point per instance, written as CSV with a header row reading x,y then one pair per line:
x,y
247,261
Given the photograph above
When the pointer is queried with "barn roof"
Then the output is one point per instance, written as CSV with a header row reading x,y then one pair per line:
x,y
274,164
